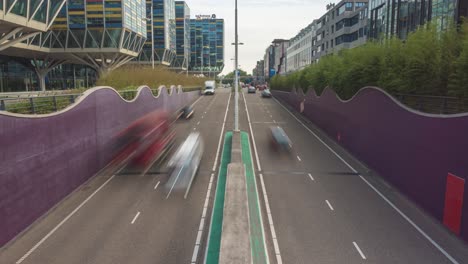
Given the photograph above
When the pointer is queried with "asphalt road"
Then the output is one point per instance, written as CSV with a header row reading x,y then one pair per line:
x,y
324,212
315,207
129,219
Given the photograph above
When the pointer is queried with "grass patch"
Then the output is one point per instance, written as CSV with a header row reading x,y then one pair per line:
x,y
132,76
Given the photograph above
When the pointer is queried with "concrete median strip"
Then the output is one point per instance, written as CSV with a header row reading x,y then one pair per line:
x,y
236,233
257,232
214,237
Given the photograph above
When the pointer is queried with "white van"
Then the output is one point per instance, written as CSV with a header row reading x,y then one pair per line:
x,y
209,87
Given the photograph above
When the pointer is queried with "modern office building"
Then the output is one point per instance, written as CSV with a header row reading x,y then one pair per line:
x,y
20,20
400,17
101,34
160,45
182,35
301,48
280,62
207,45
275,58
269,62
344,26
258,72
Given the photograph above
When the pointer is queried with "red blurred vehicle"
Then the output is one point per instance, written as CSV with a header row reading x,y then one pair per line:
x,y
146,141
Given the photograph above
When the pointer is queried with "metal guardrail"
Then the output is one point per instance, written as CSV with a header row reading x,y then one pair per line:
x,y
37,104
434,104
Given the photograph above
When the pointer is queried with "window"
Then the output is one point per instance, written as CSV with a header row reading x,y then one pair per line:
x,y
360,4
333,28
331,43
340,10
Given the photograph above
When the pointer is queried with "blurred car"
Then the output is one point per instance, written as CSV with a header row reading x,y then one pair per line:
x,y
266,93
146,141
183,165
186,112
251,89
279,139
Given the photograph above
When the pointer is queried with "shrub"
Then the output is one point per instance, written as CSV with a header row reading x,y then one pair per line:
x,y
131,77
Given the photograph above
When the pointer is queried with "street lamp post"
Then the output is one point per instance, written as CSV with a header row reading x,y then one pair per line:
x,y
236,86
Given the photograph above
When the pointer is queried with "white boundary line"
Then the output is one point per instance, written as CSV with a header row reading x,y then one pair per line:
x,y
74,211
135,218
196,249
329,205
253,137
62,222
311,177
435,244
359,250
221,137
279,260
260,212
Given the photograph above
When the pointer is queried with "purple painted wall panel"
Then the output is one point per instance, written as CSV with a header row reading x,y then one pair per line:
x,y
413,151
43,159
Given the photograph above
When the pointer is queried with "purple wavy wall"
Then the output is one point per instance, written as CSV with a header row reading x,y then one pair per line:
x,y
43,159
413,151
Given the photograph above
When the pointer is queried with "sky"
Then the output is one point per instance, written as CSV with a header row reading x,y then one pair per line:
x,y
260,21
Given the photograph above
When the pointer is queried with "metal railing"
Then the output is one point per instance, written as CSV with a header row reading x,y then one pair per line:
x,y
434,104
37,104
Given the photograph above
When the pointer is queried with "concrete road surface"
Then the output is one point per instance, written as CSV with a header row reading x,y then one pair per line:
x,y
130,219
319,205
324,212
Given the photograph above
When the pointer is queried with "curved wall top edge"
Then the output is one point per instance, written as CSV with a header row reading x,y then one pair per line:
x,y
169,91
363,92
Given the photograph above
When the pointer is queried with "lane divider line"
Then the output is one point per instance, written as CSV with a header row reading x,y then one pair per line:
x,y
38,244
135,218
299,158
424,234
277,252
196,248
359,250
310,176
62,222
157,184
329,205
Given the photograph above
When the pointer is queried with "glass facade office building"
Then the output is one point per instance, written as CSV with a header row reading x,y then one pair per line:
x,y
182,34
161,35
400,17
207,45
98,24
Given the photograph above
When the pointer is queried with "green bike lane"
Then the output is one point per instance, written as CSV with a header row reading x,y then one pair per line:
x,y
257,238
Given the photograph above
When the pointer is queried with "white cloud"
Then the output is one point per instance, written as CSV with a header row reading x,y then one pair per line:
x,y
260,21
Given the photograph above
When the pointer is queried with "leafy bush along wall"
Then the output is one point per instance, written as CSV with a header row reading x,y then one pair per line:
x,y
413,151
45,158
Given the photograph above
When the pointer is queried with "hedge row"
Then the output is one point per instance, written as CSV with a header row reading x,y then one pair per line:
x,y
429,62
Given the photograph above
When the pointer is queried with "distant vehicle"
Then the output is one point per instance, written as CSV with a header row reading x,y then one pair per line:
x,y
183,165
251,89
186,112
266,93
261,87
209,88
279,139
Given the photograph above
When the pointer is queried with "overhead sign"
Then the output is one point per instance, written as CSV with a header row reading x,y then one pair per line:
x,y
213,16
